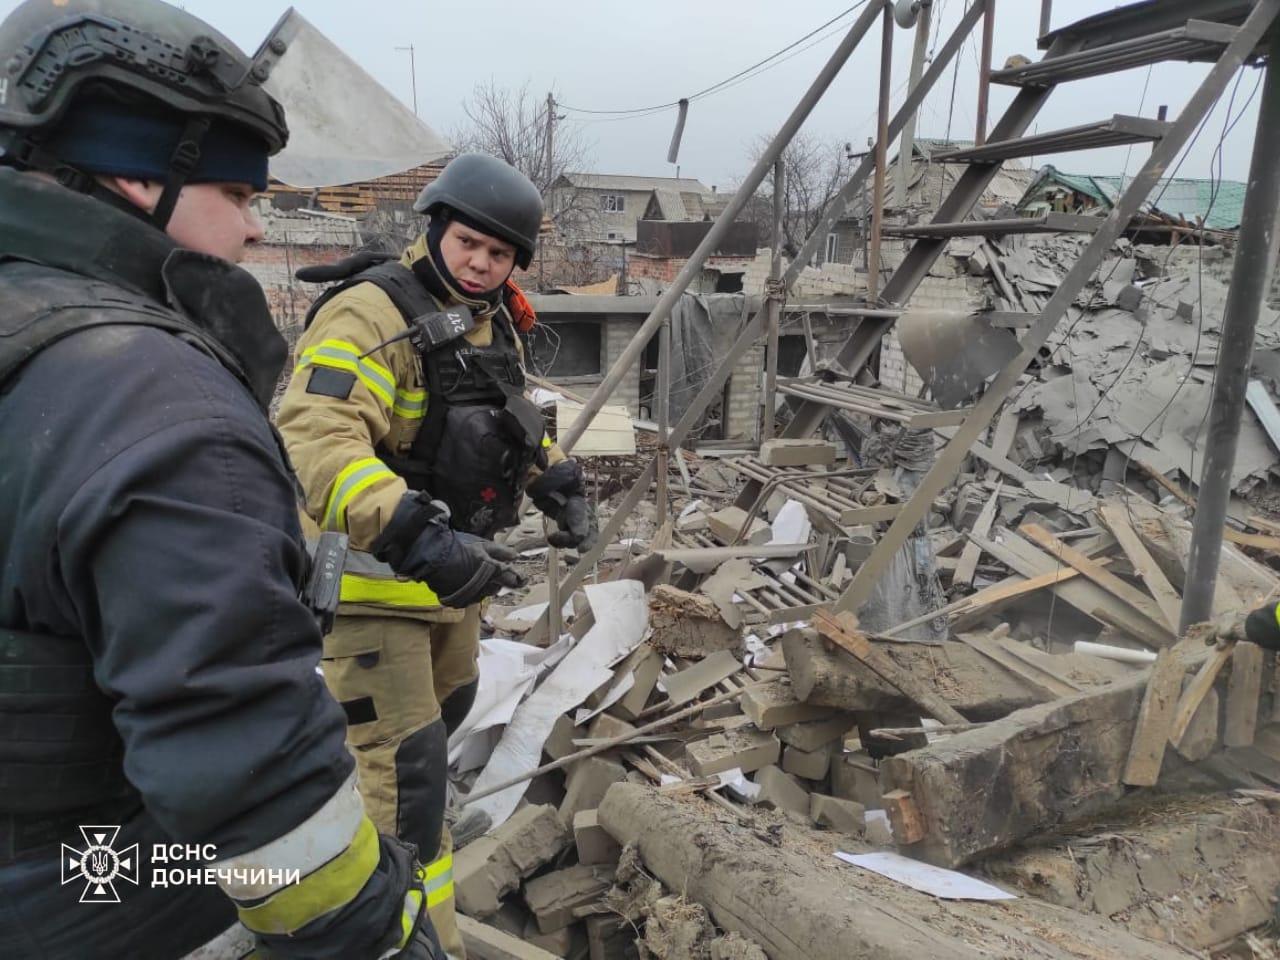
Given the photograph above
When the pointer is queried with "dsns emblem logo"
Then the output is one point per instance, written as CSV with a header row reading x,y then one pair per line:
x,y
99,865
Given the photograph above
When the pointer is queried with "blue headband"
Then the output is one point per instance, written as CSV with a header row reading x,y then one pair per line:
x,y
107,137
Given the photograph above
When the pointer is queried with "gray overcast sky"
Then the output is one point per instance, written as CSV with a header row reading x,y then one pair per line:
x,y
614,55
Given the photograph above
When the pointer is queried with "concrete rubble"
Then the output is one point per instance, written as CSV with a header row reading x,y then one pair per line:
x,y
989,744
1015,702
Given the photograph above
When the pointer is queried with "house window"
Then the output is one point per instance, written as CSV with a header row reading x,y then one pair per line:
x,y
614,236
833,244
613,203
564,349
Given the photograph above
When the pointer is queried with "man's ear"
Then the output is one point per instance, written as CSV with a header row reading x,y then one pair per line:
x,y
144,194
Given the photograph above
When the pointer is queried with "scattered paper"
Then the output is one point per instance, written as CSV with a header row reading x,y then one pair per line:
x,y
935,881
736,783
622,617
543,397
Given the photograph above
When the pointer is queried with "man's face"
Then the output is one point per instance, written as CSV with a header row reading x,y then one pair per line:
x,y
212,218
478,262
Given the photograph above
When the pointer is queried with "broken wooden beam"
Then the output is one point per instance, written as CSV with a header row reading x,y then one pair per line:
x,y
989,788
841,629
789,895
1107,580
1155,718
960,675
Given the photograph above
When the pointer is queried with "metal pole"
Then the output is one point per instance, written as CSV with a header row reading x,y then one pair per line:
x,y
882,153
1046,14
837,205
551,125
773,304
663,405
627,360
413,75
1250,276
906,145
984,72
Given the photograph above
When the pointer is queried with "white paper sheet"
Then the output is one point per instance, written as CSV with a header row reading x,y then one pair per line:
x,y
506,676
935,881
622,618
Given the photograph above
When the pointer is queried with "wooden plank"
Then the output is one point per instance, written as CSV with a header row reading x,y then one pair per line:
x,y
1144,565
1003,436
971,609
998,655
1003,464
1086,596
969,556
489,943
1238,537
1197,691
904,816
842,630
1155,717
1103,578
857,516
1034,659
1243,689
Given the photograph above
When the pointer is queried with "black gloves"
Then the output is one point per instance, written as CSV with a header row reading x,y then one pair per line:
x,y
460,568
560,493
1262,627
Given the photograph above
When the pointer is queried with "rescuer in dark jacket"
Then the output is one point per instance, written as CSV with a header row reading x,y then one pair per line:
x,y
167,747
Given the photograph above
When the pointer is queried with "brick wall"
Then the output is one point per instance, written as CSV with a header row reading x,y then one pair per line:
x,y
273,265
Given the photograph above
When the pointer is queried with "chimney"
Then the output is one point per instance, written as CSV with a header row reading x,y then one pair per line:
x,y
713,188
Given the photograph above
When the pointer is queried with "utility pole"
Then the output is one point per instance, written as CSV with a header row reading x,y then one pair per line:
x,y
882,152
906,146
551,126
413,75
1250,275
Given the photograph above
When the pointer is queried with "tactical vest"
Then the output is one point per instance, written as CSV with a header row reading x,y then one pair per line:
x,y
480,435
58,747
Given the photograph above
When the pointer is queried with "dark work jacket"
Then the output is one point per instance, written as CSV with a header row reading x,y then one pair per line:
x,y
146,507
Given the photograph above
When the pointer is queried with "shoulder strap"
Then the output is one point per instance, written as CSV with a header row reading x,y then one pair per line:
x,y
395,280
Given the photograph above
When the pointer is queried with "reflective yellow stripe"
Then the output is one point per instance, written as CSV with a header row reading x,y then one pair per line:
x,y
410,404
437,897
392,593
330,888
439,867
341,355
1277,614
546,442
353,478
439,881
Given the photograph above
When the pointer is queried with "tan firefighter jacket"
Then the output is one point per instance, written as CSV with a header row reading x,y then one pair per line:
x,y
331,439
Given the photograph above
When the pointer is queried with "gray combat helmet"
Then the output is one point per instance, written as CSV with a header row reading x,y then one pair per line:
x,y
49,52
497,196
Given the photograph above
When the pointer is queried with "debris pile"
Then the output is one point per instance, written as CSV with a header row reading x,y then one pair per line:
x,y
1012,719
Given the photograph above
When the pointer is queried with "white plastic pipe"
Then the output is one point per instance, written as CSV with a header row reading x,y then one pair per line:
x,y
1123,654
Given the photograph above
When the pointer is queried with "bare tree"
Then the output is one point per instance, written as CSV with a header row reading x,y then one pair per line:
x,y
814,171
512,124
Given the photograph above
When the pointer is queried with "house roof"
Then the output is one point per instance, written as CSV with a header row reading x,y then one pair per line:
x,y
613,181
1221,203
669,203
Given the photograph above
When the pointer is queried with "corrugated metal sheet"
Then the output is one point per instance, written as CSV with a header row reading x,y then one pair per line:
x,y
1221,206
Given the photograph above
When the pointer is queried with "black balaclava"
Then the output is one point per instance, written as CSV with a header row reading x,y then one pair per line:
x,y
440,281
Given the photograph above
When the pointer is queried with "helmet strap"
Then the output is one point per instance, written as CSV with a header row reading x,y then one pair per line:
x,y
26,154
185,159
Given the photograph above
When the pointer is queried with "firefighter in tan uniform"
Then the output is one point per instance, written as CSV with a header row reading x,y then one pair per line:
x,y
408,427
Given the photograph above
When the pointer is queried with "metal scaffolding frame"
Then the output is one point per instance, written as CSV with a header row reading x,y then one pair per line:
x,y
875,323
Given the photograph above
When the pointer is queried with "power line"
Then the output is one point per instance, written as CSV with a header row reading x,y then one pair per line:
x,y
741,74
